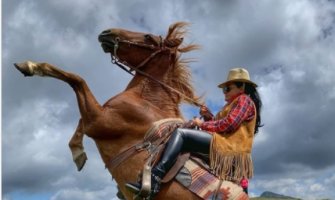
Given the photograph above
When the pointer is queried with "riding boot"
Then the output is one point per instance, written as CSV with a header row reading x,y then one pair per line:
x,y
156,176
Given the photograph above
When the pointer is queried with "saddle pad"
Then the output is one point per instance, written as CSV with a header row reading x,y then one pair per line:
x,y
204,184
162,127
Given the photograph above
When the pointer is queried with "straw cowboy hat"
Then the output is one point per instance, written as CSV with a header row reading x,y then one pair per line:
x,y
237,75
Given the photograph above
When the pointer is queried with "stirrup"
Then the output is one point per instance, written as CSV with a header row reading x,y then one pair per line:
x,y
143,188
146,182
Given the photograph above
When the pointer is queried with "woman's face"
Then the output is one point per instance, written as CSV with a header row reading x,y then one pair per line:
x,y
231,91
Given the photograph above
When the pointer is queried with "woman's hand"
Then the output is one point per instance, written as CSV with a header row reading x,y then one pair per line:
x,y
203,110
206,113
189,124
198,122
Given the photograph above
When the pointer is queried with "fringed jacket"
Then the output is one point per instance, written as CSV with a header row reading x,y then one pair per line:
x,y
233,132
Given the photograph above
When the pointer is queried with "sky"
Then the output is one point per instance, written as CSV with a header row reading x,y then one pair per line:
x,y
287,46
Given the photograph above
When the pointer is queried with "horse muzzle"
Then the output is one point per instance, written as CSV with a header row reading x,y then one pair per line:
x,y
107,41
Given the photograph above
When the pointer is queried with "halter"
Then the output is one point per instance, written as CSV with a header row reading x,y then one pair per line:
x,y
157,50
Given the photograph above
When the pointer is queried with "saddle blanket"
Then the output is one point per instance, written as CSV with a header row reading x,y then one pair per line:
x,y
205,184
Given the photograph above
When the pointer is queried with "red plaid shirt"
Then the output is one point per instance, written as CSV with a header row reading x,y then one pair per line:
x,y
242,110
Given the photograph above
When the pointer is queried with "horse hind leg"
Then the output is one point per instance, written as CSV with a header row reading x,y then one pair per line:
x,y
76,146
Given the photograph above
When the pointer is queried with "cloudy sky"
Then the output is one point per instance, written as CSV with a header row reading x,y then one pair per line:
x,y
287,46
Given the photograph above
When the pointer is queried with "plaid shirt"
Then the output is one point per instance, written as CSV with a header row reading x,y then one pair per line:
x,y
242,110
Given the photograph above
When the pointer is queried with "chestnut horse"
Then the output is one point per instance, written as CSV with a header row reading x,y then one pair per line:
x,y
161,82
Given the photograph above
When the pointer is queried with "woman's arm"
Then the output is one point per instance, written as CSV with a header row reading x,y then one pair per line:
x,y
242,110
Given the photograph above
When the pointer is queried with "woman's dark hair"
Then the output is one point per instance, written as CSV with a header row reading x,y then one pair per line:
x,y
250,90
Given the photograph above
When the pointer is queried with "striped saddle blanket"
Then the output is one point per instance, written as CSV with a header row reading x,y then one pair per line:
x,y
205,185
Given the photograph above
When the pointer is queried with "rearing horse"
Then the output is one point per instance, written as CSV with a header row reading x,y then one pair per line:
x,y
124,119
161,82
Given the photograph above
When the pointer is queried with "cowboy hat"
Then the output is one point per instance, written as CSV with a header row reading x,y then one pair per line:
x,y
237,75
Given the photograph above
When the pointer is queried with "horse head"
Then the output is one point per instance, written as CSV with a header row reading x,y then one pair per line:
x,y
153,56
135,49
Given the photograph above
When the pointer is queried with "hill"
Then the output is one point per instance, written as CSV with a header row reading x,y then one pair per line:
x,y
273,196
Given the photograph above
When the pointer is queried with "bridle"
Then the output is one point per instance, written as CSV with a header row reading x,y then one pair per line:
x,y
123,64
161,48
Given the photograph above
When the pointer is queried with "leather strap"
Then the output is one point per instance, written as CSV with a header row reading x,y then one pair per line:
x,y
118,159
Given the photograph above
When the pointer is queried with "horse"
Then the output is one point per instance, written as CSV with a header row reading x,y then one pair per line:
x,y
161,82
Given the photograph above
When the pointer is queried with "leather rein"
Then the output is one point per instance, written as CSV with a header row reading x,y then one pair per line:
x,y
157,50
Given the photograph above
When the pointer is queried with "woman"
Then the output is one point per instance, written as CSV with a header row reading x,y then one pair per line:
x,y
227,138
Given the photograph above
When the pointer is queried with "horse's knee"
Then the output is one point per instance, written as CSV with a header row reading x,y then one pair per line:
x,y
76,81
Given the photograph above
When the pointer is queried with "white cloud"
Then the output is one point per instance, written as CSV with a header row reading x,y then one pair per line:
x,y
65,42
37,137
330,180
82,7
317,188
307,185
42,144
24,18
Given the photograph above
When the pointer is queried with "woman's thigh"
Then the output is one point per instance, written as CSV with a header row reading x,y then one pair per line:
x,y
195,140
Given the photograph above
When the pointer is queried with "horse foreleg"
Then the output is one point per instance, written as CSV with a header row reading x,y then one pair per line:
x,y
88,105
77,148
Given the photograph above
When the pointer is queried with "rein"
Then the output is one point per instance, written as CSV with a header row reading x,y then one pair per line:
x,y
158,49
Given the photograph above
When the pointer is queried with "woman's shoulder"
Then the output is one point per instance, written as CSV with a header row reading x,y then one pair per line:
x,y
244,97
244,100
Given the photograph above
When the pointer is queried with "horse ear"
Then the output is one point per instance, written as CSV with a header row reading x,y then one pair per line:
x,y
173,42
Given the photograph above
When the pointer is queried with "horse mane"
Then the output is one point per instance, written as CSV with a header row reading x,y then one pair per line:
x,y
180,76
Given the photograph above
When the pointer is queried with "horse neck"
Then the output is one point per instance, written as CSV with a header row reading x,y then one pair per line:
x,y
152,91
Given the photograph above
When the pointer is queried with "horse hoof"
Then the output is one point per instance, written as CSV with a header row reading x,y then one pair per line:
x,y
80,161
26,68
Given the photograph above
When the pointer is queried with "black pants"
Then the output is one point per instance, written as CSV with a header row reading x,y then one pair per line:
x,y
183,140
